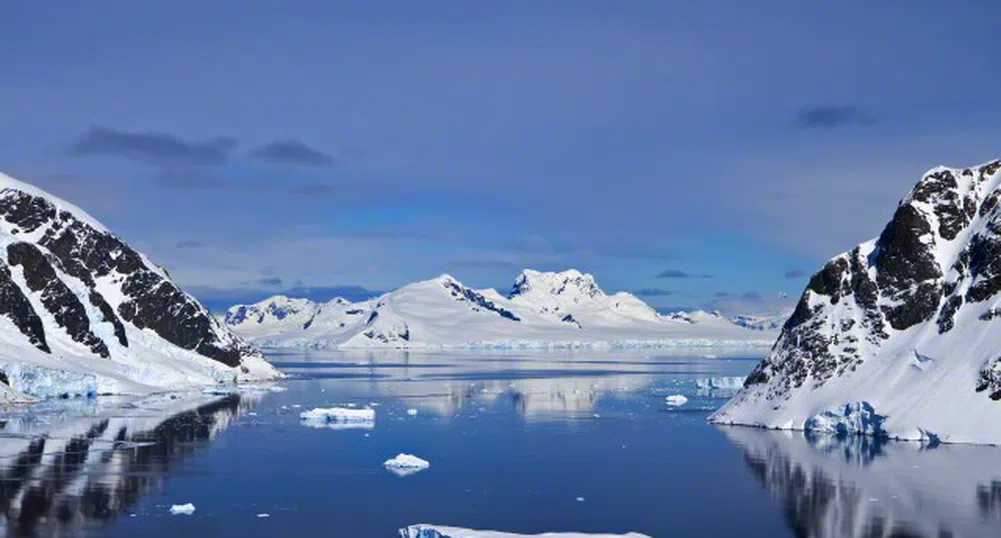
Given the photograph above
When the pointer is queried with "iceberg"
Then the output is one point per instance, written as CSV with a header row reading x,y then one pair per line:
x,y
435,531
858,418
406,464
339,417
720,384
676,400
182,509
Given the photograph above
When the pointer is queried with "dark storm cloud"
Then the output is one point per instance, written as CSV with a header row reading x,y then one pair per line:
x,y
653,292
827,116
291,152
151,147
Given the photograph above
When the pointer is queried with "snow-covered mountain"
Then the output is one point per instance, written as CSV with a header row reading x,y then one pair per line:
x,y
763,322
82,312
543,309
901,334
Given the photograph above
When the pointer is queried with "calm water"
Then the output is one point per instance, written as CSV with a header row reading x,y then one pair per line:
x,y
514,441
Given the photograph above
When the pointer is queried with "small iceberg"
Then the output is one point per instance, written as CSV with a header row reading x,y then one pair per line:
x,y
338,418
182,509
436,531
406,464
731,383
676,400
856,418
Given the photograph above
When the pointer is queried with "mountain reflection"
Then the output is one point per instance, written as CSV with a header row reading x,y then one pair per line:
x,y
859,487
61,473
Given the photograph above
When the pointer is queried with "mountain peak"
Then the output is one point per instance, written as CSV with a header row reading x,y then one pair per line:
x,y
914,309
568,283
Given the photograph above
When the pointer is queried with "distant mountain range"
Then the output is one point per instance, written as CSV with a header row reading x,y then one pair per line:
x,y
543,309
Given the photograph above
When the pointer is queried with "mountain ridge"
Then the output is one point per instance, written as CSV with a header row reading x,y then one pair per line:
x,y
560,308
78,301
897,331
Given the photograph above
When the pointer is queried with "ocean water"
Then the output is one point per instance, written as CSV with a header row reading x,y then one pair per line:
x,y
522,442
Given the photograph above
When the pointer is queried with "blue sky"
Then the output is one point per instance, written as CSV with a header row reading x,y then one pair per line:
x,y
701,152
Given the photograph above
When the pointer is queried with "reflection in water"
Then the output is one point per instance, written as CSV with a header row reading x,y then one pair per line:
x,y
856,486
60,474
541,386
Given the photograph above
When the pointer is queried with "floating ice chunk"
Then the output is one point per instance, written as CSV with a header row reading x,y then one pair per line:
x,y
722,383
338,415
436,531
676,400
857,418
263,515
412,412
182,509
406,464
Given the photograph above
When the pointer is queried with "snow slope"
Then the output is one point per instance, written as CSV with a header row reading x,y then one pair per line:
x,y
555,309
903,331
82,313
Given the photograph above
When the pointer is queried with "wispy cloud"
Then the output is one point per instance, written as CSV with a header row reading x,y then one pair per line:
x,y
827,116
151,147
291,152
653,292
189,243
677,273
795,273
270,281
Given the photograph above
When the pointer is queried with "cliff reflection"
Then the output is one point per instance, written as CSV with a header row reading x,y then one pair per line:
x,y
859,487
60,474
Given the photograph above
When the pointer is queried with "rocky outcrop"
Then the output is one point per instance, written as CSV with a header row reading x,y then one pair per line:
x,y
929,286
63,273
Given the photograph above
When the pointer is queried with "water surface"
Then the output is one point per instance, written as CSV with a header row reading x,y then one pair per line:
x,y
520,442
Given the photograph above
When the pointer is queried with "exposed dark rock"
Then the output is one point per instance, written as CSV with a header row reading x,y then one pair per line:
x,y
158,304
947,316
58,299
478,300
16,307
26,211
153,301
